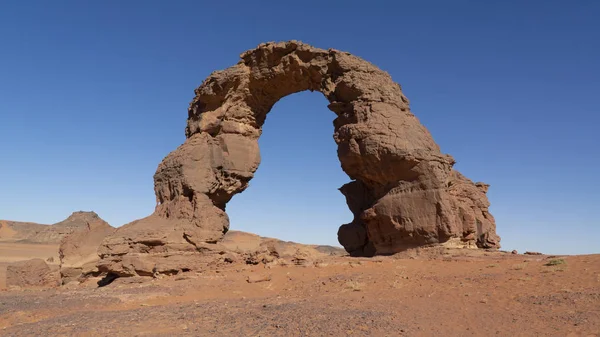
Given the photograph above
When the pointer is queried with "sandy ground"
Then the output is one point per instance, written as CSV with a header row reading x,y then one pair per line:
x,y
449,293
14,251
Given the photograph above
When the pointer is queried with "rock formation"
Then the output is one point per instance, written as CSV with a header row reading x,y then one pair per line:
x,y
34,273
254,249
236,241
78,251
403,191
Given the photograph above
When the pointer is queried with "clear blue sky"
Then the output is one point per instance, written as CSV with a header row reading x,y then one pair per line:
x,y
94,94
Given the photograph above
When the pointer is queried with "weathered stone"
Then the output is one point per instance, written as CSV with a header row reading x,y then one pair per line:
x,y
34,273
258,278
78,251
404,191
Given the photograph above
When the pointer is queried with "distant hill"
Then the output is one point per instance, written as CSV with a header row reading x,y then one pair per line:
x,y
29,232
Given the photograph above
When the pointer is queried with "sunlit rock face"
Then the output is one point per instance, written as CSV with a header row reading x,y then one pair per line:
x,y
403,191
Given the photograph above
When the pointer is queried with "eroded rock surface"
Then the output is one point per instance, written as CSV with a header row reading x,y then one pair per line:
x,y
34,273
404,192
78,251
255,249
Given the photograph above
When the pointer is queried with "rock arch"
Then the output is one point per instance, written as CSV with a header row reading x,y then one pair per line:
x,y
403,191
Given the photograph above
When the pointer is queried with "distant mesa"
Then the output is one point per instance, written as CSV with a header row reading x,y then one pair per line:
x,y
29,232
403,191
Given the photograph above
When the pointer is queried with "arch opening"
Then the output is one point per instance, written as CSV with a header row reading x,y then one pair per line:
x,y
294,195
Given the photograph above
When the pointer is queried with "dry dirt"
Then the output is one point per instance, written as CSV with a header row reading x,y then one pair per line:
x,y
437,292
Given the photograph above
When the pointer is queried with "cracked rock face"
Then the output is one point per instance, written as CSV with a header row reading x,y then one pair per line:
x,y
403,191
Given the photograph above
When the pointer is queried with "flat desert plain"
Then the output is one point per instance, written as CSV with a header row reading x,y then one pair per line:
x,y
437,292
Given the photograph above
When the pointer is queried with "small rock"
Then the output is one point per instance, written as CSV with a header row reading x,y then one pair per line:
x,y
514,252
258,278
533,253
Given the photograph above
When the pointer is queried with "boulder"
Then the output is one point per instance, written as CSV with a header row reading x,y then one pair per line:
x,y
78,251
34,273
403,191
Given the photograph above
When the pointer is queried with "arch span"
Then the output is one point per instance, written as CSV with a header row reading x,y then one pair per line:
x,y
402,191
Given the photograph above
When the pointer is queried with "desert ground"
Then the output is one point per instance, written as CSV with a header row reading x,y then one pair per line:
x,y
424,292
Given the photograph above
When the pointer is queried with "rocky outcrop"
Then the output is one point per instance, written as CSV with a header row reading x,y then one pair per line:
x,y
237,241
34,273
234,247
404,191
254,249
29,232
78,251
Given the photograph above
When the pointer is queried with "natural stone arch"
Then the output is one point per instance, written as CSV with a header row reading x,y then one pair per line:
x,y
404,192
